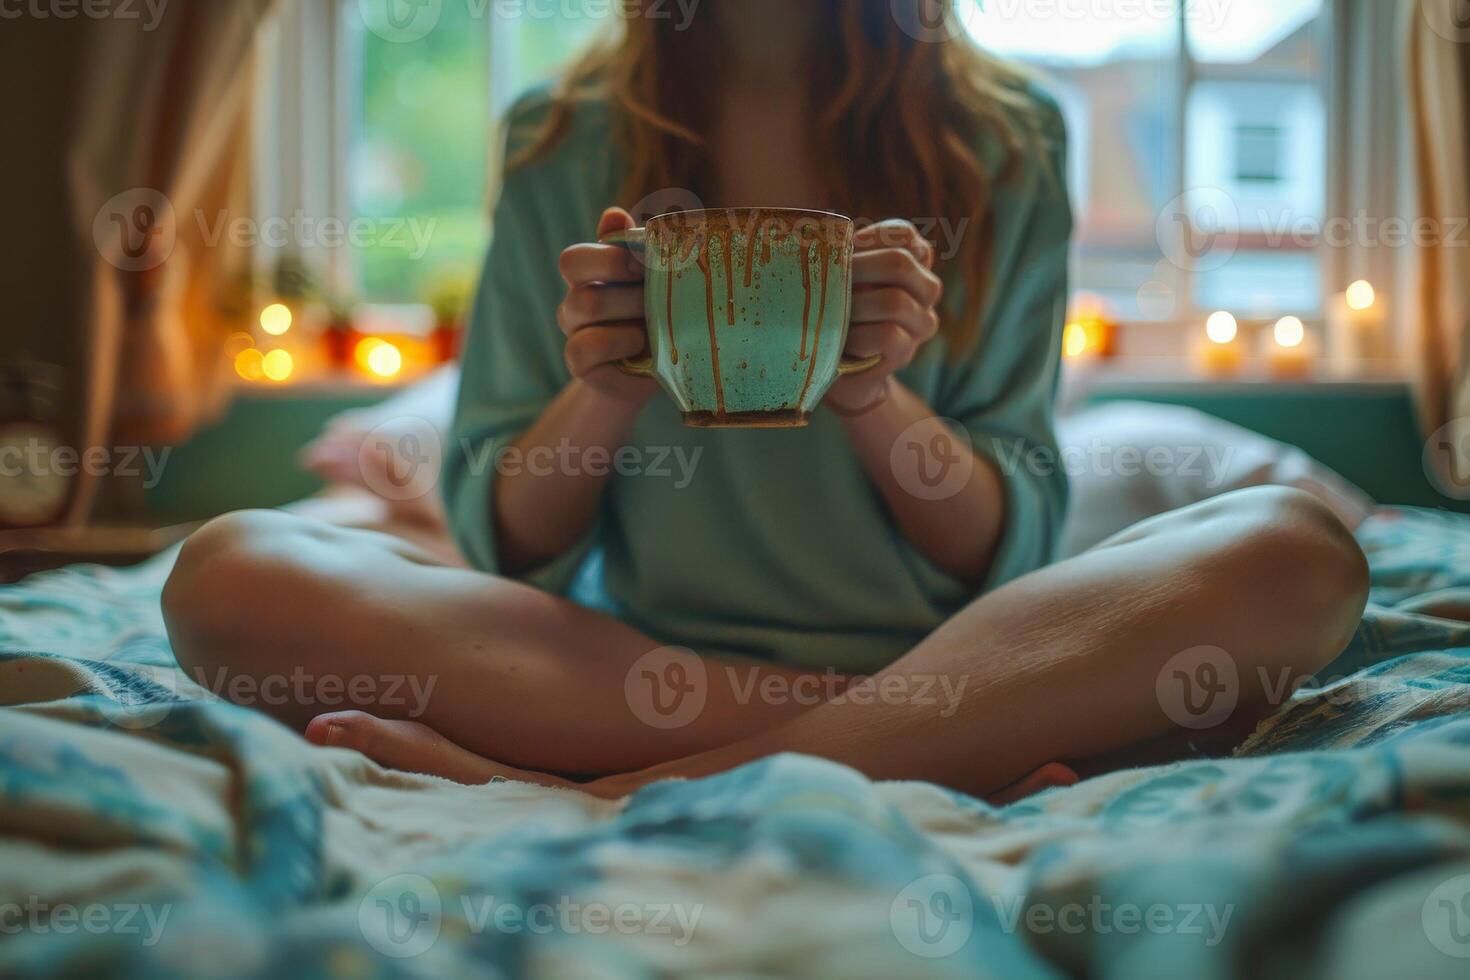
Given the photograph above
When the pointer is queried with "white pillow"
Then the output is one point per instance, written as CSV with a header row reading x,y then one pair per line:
x,y
370,448
1131,460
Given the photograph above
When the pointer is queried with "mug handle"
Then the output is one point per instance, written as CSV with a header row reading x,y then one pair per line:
x,y
856,365
634,240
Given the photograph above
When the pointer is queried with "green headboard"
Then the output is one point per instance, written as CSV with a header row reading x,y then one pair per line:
x,y
1366,432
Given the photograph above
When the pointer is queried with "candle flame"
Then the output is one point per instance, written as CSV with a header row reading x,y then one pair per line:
x,y
249,364
1290,331
1361,296
278,365
276,319
1221,327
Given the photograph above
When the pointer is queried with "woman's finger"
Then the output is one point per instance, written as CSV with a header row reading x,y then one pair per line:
x,y
593,263
589,305
614,219
893,305
593,347
895,233
896,345
897,267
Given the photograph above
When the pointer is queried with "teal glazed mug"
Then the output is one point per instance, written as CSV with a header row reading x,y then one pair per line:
x,y
747,312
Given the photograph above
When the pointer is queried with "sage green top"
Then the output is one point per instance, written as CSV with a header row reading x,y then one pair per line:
x,y
770,544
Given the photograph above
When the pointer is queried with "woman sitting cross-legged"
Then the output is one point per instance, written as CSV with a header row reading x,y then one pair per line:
x,y
872,588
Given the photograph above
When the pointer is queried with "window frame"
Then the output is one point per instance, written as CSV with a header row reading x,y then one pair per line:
x,y
306,105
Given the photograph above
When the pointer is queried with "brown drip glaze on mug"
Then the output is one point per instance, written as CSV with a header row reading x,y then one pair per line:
x,y
750,253
714,340
768,230
824,255
806,307
671,251
730,274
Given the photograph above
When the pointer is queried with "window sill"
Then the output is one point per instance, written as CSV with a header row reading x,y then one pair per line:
x,y
333,385
1252,373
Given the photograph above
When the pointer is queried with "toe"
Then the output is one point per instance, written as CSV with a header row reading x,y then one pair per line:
x,y
1051,775
1055,774
344,730
407,746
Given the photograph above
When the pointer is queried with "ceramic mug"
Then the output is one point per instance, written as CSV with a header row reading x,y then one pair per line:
x,y
747,312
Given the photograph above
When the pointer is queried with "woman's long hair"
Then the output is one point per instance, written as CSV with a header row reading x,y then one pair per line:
x,y
901,120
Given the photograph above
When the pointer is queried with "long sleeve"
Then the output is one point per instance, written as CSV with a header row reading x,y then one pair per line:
x,y
1002,392
512,363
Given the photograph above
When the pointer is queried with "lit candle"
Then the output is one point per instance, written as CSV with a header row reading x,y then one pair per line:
x,y
1355,328
250,364
1220,353
378,358
1289,349
1074,341
278,365
276,319
1089,333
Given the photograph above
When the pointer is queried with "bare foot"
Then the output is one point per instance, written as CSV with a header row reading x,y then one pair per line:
x,y
1051,775
410,746
1444,604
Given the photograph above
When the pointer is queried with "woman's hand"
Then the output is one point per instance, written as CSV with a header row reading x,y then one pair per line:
x,y
894,309
602,315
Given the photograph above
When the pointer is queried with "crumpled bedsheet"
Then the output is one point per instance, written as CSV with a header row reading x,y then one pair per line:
x,y
148,829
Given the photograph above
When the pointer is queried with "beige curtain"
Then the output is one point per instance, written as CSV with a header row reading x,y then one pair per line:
x,y
161,149
1438,61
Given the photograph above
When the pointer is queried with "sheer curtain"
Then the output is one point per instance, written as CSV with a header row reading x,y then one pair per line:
x,y
1438,64
160,154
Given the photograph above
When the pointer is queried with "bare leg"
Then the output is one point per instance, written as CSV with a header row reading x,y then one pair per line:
x,y
288,615
412,746
1061,664
1064,663
1445,604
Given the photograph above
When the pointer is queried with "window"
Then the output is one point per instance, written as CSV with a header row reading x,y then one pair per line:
x,y
531,49
1197,134
425,113
418,149
1198,162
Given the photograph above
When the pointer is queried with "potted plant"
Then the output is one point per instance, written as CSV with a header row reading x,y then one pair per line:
x,y
449,297
341,335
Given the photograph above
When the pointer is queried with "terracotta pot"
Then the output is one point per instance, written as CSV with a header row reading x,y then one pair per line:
x,y
448,338
340,340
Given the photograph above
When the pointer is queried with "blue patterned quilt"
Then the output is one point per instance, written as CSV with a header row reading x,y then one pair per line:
x,y
147,830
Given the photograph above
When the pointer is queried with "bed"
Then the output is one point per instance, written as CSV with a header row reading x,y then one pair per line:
x,y
148,828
